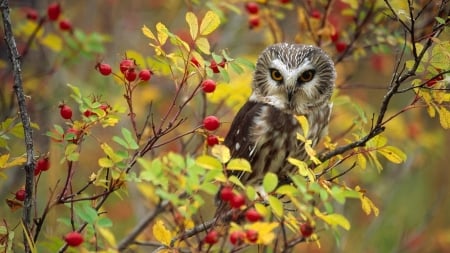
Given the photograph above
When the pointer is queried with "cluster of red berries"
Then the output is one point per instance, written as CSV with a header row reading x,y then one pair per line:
x,y
128,68
433,81
211,123
53,14
213,65
236,237
252,9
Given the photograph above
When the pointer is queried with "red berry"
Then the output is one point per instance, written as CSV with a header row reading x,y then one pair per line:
x,y
104,107
126,64
195,62
65,25
253,22
211,237
104,68
340,46
306,229
20,194
251,235
208,86
252,7
42,164
32,14
237,201
252,215
73,239
226,194
222,63
88,113
237,237
53,11
212,140
65,111
211,123
316,14
284,1
145,74
130,75
214,66
334,36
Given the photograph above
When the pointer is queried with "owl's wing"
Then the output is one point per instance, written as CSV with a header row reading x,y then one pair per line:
x,y
239,139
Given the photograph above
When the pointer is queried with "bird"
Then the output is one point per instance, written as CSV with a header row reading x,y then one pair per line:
x,y
289,80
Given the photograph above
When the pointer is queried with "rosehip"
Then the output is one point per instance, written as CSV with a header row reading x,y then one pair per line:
x,y
130,75
20,194
208,86
237,237
88,113
73,239
42,164
252,215
340,46
125,65
252,7
212,140
316,14
65,111
195,62
284,1
334,36
104,107
104,69
211,237
306,229
226,194
253,22
53,11
251,235
237,201
211,123
145,74
32,14
214,67
65,25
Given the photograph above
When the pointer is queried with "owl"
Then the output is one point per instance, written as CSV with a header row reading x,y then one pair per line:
x,y
289,80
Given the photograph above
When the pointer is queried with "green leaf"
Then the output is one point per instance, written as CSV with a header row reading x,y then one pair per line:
x,y
87,213
209,23
239,164
270,182
286,190
236,68
104,222
393,154
208,162
246,63
192,21
71,152
276,205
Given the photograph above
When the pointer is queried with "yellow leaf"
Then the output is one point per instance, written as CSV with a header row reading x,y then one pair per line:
x,y
221,152
393,154
110,153
208,162
203,45
137,57
265,231
148,33
378,141
3,160
239,164
276,205
161,233
368,206
162,32
209,23
333,219
107,235
52,41
192,21
444,117
303,168
303,121
361,161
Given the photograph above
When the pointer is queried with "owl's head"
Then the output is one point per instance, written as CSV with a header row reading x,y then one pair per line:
x,y
294,78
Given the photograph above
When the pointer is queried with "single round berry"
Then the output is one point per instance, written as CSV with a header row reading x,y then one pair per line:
x,y
252,215
212,140
104,69
195,62
53,11
126,65
316,14
88,113
65,25
340,46
237,201
306,229
211,237
251,235
252,7
285,1
145,74
130,75
42,164
237,237
73,239
226,193
65,111
208,86
334,36
211,123
105,107
213,65
254,22
20,194
32,14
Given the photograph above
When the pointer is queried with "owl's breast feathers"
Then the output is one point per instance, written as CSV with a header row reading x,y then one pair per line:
x,y
266,137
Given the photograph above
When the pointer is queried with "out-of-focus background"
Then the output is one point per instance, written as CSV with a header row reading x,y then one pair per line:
x,y
413,197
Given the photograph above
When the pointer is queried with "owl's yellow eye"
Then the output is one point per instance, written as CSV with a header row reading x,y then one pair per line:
x,y
307,76
276,75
